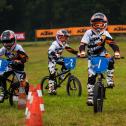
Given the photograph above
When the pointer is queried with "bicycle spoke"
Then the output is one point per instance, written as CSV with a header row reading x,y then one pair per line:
x,y
74,87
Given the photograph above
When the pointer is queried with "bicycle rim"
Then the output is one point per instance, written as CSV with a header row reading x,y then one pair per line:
x,y
74,87
45,85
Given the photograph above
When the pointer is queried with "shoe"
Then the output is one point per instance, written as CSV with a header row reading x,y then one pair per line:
x,y
52,92
90,101
110,82
1,95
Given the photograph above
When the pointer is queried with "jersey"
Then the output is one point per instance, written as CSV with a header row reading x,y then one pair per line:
x,y
55,49
96,42
17,53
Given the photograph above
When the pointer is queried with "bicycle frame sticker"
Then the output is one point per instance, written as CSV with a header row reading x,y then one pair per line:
x,y
70,62
3,65
99,64
20,76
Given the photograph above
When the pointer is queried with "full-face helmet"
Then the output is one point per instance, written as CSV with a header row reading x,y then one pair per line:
x,y
62,36
98,22
8,39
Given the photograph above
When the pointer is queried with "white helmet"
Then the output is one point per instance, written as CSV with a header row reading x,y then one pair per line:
x,y
99,22
62,36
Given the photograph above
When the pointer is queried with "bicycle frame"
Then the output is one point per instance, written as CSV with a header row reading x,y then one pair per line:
x,y
58,81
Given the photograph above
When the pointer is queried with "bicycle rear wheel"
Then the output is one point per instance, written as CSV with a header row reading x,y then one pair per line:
x,y
45,84
73,86
98,97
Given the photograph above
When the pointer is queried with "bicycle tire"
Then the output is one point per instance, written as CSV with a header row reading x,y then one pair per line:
x,y
73,86
45,84
98,97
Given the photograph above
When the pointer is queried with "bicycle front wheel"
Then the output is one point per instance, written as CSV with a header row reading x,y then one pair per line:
x,y
98,97
45,84
73,86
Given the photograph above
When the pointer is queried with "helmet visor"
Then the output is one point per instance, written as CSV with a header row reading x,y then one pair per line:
x,y
8,41
98,25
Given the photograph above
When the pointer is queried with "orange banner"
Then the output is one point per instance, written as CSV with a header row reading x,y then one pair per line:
x,y
117,28
46,33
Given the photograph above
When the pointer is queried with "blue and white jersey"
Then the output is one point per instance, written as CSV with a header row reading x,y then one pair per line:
x,y
96,42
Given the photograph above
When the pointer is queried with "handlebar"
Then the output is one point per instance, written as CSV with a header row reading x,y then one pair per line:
x,y
122,57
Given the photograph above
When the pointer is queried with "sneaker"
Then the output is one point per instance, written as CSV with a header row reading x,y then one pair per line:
x,y
90,101
1,95
110,82
52,92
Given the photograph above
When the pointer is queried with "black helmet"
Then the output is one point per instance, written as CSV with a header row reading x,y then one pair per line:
x,y
8,39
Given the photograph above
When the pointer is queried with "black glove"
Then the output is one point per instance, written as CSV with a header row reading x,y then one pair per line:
x,y
14,63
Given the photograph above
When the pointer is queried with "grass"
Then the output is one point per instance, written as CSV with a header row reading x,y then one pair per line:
x,y
62,110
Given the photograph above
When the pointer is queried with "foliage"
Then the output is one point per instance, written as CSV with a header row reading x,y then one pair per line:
x,y
28,15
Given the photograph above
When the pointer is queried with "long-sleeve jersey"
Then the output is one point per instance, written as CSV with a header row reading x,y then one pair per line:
x,y
96,42
17,53
55,49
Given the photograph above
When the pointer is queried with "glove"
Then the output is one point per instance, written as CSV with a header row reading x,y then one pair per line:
x,y
58,55
15,62
82,54
117,55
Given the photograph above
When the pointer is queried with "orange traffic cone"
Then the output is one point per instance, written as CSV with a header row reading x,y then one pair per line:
x,y
40,97
22,96
36,115
28,104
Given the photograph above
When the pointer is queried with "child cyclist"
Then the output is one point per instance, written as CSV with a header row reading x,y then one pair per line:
x,y
54,56
15,53
95,39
